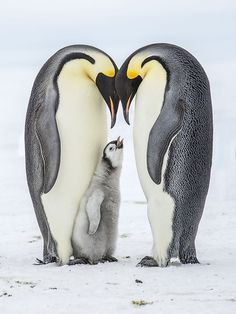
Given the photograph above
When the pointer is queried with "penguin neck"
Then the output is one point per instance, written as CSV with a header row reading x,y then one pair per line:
x,y
76,68
150,94
79,98
148,104
151,68
105,170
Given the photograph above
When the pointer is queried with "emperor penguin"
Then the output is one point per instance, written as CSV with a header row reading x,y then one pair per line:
x,y
65,133
173,132
96,225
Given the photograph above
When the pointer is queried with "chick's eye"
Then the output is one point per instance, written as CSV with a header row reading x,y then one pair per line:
x,y
111,148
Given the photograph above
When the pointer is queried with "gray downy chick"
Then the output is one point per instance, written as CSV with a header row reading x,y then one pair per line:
x,y
96,225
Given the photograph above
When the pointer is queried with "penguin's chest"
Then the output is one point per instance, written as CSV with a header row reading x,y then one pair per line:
x,y
148,105
82,127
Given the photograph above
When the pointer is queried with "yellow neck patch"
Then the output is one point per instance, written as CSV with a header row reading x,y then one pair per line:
x,y
110,73
131,74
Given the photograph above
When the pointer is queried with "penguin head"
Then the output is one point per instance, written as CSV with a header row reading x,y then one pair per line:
x,y
102,72
113,153
131,75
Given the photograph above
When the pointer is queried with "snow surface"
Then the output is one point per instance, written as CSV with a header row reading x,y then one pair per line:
x,y
110,288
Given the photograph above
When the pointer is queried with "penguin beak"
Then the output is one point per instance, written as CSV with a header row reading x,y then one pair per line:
x,y
119,142
106,86
126,108
126,89
113,107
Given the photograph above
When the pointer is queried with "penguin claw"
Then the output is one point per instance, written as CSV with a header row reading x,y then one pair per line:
x,y
189,260
39,262
80,260
109,258
47,260
147,261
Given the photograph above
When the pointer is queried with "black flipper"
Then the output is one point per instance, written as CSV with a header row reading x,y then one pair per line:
x,y
42,152
47,134
167,125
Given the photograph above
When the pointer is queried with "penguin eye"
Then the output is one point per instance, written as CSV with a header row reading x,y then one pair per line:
x,y
111,148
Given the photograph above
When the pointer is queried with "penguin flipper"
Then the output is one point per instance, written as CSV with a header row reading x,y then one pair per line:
x,y
93,209
48,137
42,153
167,125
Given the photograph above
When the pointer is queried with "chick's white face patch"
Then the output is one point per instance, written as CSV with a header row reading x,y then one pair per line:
x,y
114,154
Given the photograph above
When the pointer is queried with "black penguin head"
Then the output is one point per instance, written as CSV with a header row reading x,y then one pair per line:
x,y
113,153
128,79
106,86
131,74
102,71
126,89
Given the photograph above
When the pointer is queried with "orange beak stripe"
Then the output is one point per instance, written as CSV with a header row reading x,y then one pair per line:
x,y
128,105
112,108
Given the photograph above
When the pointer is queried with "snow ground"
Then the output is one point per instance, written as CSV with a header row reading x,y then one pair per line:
x,y
110,288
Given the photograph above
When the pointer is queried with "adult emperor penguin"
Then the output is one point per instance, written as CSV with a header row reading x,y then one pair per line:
x,y
172,143
65,133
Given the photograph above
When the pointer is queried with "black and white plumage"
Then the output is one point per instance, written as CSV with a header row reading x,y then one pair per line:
x,y
172,143
65,132
95,230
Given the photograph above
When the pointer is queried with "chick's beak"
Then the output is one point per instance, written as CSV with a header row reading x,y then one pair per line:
x,y
119,143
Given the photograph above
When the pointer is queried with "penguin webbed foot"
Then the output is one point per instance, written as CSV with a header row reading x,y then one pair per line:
x,y
147,261
108,258
39,262
188,255
46,260
79,260
189,259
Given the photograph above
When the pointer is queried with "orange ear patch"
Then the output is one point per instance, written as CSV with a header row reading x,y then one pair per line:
x,y
110,73
131,74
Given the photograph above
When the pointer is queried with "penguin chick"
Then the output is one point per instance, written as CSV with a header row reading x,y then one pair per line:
x,y
96,225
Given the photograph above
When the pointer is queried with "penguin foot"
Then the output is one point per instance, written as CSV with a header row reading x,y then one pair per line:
x,y
189,259
147,261
109,258
47,260
174,261
39,262
80,260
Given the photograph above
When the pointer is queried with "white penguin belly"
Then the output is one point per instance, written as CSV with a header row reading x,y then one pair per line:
x,y
161,205
82,127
